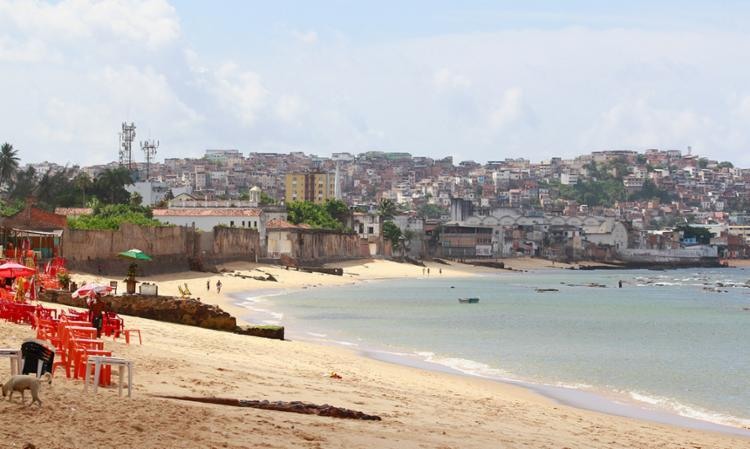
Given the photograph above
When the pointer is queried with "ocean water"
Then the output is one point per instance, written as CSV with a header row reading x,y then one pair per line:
x,y
676,340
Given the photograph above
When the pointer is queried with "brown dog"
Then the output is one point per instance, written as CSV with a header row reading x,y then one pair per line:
x,y
25,382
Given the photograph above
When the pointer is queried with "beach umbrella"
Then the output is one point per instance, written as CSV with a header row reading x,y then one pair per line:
x,y
12,270
135,254
91,289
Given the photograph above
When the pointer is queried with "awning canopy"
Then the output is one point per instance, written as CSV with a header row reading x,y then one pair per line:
x,y
29,232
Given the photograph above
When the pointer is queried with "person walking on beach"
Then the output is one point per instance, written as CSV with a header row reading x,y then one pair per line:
x,y
422,271
218,286
208,285
428,272
619,283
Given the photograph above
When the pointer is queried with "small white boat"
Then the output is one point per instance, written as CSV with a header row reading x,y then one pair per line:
x,y
468,300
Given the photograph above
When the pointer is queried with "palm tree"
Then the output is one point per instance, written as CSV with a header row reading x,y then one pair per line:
x,y
83,183
8,163
387,209
110,185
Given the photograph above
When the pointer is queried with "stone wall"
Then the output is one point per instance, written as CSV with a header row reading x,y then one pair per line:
x,y
313,244
155,241
162,308
236,242
171,247
317,245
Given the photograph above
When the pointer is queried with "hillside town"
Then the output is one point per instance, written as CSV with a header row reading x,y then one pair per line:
x,y
605,206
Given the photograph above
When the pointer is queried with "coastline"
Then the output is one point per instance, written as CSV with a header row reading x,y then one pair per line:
x,y
597,401
474,411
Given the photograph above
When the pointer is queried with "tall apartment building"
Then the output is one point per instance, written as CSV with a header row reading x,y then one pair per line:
x,y
315,187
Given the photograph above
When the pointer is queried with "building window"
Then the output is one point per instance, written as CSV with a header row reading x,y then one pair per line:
x,y
231,224
243,223
370,230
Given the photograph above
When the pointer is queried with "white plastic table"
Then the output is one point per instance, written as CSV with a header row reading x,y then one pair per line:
x,y
15,360
121,364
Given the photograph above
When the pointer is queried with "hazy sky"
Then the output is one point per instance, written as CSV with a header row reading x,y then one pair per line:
x,y
477,80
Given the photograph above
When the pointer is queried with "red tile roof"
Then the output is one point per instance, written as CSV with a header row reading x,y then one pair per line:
x,y
278,223
208,212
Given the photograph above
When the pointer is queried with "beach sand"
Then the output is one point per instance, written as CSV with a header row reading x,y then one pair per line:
x,y
419,409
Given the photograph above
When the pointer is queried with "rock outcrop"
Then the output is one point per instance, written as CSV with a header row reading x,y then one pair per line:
x,y
274,332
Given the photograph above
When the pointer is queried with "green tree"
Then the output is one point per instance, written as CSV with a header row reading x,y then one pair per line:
x,y
8,163
23,185
312,214
136,199
387,209
338,210
83,183
266,199
109,186
651,191
430,211
112,216
392,233
702,162
725,164
701,235
56,189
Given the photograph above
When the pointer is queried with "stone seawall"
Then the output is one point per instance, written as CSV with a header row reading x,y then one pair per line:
x,y
190,312
162,308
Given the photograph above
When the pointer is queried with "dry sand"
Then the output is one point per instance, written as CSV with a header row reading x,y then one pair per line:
x,y
419,408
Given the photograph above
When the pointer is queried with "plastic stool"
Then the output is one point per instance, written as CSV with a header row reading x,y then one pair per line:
x,y
127,336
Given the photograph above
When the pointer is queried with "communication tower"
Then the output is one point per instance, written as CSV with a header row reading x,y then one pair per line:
x,y
127,136
149,149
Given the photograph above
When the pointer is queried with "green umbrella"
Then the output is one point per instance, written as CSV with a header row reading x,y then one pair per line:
x,y
134,254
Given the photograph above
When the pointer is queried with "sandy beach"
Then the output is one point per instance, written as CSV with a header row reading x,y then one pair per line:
x,y
418,408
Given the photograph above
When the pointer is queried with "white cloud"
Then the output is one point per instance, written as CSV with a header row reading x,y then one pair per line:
x,y
289,107
639,123
77,68
239,91
446,79
151,22
306,37
509,110
30,51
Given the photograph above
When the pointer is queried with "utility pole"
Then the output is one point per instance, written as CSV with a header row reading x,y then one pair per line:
x,y
127,136
149,149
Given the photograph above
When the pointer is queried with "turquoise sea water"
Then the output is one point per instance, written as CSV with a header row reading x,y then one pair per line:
x,y
666,340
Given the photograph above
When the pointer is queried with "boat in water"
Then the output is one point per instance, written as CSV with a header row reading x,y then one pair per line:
x,y
468,300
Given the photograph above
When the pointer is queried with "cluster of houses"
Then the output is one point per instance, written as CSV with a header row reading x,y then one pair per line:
x,y
465,210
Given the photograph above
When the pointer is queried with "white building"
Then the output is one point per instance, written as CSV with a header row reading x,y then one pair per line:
x,y
206,218
152,192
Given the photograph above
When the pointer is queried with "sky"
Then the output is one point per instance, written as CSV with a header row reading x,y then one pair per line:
x,y
480,80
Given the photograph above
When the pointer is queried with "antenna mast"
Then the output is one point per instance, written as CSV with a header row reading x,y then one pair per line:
x,y
127,136
149,149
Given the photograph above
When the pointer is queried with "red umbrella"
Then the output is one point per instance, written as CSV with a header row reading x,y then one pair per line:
x,y
12,270
91,289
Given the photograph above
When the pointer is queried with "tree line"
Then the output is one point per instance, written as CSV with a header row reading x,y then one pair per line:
x,y
58,188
